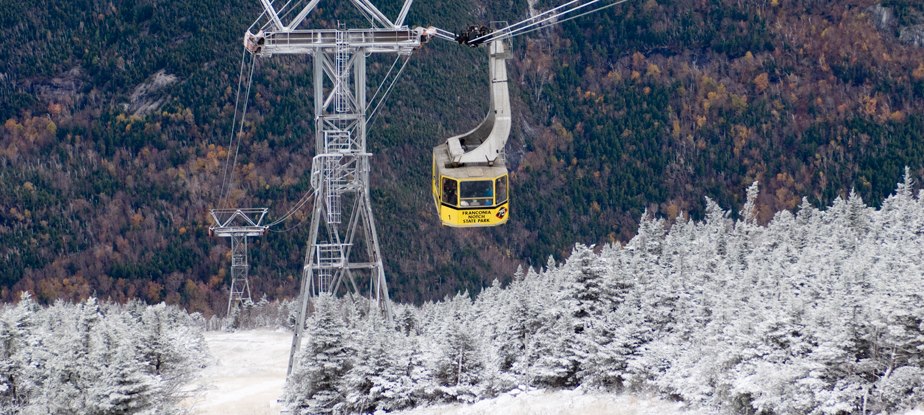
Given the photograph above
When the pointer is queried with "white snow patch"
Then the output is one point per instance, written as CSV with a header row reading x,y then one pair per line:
x,y
568,402
246,374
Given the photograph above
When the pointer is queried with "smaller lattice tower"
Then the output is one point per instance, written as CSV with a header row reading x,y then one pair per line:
x,y
238,224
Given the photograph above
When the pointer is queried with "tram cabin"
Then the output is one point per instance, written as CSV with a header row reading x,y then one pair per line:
x,y
470,195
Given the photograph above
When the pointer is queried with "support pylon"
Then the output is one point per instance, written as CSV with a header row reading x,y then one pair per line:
x,y
342,253
238,224
343,248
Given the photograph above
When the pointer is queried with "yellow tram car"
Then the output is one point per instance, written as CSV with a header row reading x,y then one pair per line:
x,y
471,187
470,196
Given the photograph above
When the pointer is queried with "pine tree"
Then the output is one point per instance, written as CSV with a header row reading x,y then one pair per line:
x,y
392,385
316,383
124,387
517,321
16,336
458,367
555,364
89,358
377,378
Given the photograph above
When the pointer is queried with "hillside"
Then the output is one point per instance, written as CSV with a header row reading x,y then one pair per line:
x,y
116,116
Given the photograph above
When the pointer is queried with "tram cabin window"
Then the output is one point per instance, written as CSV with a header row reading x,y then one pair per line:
x,y
449,192
477,193
501,189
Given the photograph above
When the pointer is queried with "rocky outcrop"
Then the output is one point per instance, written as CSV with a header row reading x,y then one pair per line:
x,y
149,95
884,18
65,89
913,35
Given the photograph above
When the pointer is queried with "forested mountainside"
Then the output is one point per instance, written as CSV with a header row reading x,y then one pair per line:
x,y
116,117
816,312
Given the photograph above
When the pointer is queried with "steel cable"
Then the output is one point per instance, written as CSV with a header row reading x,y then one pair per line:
x,y
384,79
371,117
237,136
513,27
304,200
237,100
572,17
509,33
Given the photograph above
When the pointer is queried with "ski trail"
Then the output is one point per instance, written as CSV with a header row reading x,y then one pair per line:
x,y
245,376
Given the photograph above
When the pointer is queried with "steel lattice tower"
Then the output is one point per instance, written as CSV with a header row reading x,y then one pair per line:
x,y
342,252
238,225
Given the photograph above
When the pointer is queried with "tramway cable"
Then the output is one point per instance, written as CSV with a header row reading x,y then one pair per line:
x,y
371,116
556,14
557,22
228,176
379,88
237,99
302,202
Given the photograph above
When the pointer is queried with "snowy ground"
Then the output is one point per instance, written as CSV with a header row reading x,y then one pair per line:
x,y
248,368
246,373
559,402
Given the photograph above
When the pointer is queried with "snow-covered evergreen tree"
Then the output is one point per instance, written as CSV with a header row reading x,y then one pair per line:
x,y
88,358
16,337
816,312
379,377
517,321
458,367
317,383
124,386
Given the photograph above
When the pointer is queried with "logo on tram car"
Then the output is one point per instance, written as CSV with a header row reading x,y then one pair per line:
x,y
501,213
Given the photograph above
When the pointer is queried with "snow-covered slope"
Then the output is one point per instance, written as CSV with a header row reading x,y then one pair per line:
x,y
245,375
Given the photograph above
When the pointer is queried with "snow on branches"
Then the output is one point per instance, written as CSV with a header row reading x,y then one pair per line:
x,y
816,312
88,358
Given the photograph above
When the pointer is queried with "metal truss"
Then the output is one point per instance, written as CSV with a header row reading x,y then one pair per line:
x,y
238,224
343,254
